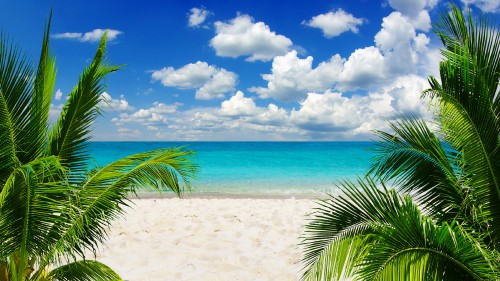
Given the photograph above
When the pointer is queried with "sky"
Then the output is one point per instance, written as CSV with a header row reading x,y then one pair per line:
x,y
246,70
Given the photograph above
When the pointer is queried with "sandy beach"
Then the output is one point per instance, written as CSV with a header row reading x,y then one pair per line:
x,y
208,239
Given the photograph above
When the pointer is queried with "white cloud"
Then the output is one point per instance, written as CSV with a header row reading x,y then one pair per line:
x,y
211,82
335,23
197,16
330,112
91,36
487,6
395,41
415,11
162,108
398,51
68,35
273,115
152,128
220,83
406,95
96,34
238,105
242,37
157,114
109,103
58,94
55,111
328,115
291,77
408,7
128,133
363,68
358,115
422,21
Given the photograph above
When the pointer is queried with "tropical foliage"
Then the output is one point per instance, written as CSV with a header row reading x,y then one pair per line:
x,y
441,219
52,209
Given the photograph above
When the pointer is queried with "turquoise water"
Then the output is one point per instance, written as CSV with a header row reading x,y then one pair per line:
x,y
260,167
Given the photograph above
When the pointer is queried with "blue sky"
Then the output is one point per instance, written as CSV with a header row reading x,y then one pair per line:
x,y
243,70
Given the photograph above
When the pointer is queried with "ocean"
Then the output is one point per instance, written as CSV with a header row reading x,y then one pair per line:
x,y
259,167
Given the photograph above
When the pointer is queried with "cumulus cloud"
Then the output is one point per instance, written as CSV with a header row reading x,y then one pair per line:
x,y
330,115
487,6
68,35
244,109
238,105
408,7
292,77
91,36
155,115
358,115
399,50
109,103
363,68
197,16
128,133
335,23
242,36
211,82
55,111
58,94
415,11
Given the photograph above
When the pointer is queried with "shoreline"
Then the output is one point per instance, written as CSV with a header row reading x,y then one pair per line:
x,y
230,195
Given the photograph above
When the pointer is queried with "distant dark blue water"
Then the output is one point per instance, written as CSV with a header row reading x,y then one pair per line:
x,y
259,167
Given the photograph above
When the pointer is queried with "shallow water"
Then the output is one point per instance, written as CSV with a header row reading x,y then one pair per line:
x,y
259,167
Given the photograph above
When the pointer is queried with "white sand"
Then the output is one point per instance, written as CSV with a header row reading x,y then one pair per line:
x,y
208,239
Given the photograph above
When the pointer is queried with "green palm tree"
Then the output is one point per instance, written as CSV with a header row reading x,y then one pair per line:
x,y
441,220
52,209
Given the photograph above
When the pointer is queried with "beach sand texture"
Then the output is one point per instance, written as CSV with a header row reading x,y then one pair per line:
x,y
208,239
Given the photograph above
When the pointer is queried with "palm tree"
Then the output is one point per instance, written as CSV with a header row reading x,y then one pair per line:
x,y
442,219
52,209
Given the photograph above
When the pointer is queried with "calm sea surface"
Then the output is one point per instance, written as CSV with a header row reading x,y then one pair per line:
x,y
259,167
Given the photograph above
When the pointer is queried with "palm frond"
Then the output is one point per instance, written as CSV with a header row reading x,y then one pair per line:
x,y
469,108
418,162
33,140
16,77
345,216
31,203
85,270
8,157
336,261
391,237
69,136
480,38
102,196
413,247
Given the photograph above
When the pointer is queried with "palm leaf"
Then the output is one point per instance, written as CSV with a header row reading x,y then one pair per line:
x,y
384,237
31,203
413,247
468,109
336,261
418,162
15,87
102,196
68,138
7,143
32,142
346,216
86,270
